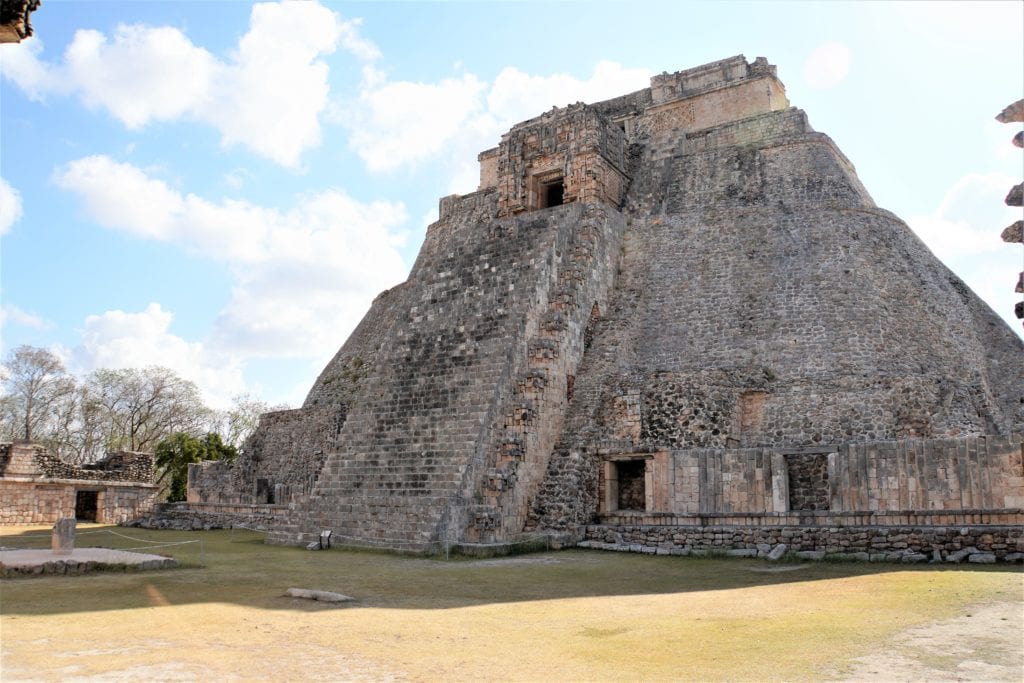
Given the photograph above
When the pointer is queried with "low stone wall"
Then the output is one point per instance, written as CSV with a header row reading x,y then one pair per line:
x,y
187,516
35,501
821,518
979,544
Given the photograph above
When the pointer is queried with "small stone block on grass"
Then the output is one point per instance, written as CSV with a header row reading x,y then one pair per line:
x,y
319,596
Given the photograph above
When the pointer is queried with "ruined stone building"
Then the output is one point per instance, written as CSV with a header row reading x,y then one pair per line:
x,y
674,319
1015,197
37,487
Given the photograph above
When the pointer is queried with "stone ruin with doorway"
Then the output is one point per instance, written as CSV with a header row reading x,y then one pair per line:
x,y
38,487
672,321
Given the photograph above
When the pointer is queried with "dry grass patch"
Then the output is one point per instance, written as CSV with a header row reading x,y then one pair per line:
x,y
575,615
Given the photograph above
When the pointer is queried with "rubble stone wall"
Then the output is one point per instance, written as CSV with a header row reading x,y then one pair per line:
x,y
28,459
908,544
196,516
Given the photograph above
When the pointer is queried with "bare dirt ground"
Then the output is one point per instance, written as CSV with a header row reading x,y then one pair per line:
x,y
573,615
985,644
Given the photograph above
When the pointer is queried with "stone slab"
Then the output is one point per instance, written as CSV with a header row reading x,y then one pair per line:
x,y
79,561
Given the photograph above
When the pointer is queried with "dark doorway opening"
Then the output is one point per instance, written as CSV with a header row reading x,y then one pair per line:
x,y
632,484
264,492
808,481
86,506
554,193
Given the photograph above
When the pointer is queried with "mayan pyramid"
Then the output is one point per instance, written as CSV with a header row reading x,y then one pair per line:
x,y
669,308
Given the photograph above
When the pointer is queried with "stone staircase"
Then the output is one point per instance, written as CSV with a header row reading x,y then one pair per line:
x,y
535,410
410,443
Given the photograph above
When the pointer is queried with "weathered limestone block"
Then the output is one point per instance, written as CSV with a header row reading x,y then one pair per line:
x,y
63,538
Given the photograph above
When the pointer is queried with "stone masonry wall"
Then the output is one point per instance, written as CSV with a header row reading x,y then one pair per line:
x,y
586,255
211,481
969,543
411,451
757,307
196,516
576,145
968,473
44,502
718,292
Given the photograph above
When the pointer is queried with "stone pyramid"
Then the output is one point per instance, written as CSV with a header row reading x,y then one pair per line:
x,y
666,309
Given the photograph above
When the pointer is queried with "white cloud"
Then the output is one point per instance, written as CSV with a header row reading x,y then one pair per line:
x,y
268,95
13,315
20,64
827,66
969,218
236,178
362,48
303,277
144,74
964,231
516,95
400,123
122,196
10,206
119,339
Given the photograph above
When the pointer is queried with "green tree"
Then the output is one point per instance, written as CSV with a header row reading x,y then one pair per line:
x,y
175,453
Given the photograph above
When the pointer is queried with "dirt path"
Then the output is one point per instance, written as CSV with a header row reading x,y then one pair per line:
x,y
985,644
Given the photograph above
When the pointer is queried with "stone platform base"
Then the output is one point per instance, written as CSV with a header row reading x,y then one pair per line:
x,y
14,563
978,544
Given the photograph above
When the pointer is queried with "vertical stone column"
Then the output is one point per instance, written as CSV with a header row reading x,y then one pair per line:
x,y
780,483
63,540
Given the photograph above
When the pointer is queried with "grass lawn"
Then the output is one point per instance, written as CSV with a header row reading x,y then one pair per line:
x,y
570,615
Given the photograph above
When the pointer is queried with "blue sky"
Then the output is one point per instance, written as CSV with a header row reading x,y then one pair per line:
x,y
223,187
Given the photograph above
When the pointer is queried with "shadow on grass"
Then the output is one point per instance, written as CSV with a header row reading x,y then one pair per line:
x,y
236,567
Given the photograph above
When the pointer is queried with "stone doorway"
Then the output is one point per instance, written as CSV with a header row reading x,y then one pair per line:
x,y
808,481
634,483
553,193
632,478
87,506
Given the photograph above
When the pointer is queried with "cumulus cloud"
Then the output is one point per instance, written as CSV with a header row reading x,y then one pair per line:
x,y
268,94
399,123
13,315
120,339
827,66
516,95
303,277
963,232
10,206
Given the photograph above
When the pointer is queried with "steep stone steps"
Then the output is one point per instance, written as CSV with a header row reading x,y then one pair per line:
x,y
534,412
